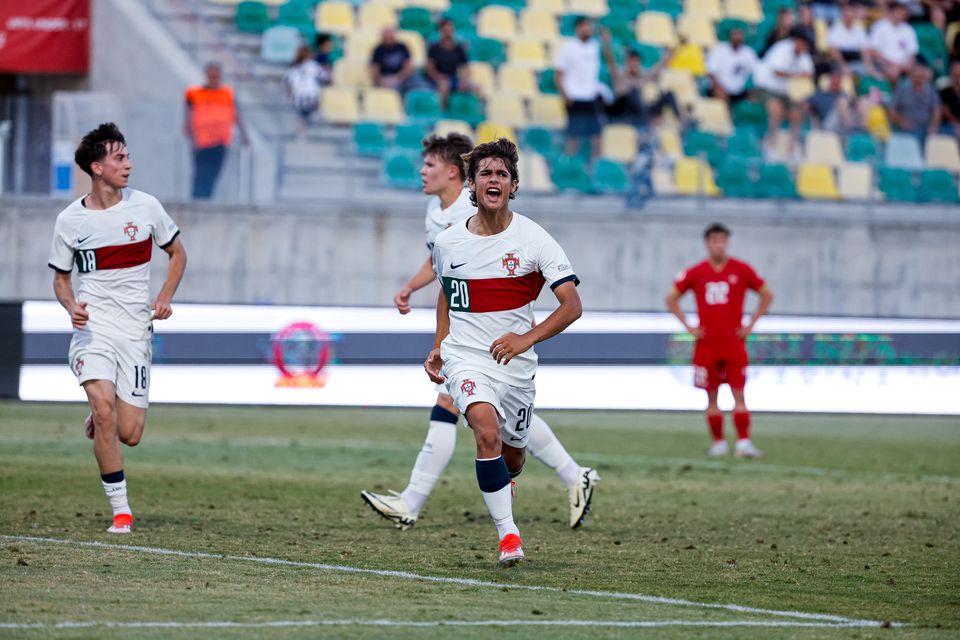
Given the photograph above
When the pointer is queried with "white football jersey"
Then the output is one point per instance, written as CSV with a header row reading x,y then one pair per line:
x,y
112,249
439,219
491,283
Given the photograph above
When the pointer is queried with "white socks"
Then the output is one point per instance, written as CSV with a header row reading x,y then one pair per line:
x,y
545,447
500,506
431,461
117,495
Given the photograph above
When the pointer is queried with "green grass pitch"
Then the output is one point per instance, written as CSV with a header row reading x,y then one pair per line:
x,y
852,516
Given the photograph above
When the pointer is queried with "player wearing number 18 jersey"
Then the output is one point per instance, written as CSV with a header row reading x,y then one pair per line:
x,y
720,284
492,269
109,235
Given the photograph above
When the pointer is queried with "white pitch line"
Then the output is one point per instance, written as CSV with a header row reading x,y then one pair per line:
x,y
469,582
226,624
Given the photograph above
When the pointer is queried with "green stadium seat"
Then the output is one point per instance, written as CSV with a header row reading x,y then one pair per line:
x,y
252,17
516,5
566,25
733,177
569,173
862,147
672,7
418,19
771,7
937,185
618,21
649,54
747,113
540,140
423,106
369,139
401,171
932,46
462,17
896,184
409,136
725,26
867,82
745,144
547,81
775,182
697,142
487,50
298,15
609,177
634,6
757,37
466,107
279,44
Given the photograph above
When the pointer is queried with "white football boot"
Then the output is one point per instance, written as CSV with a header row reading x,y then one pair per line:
x,y
581,494
745,449
392,507
718,449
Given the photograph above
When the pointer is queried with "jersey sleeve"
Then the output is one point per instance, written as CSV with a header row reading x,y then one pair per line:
x,y
683,282
554,265
752,280
165,230
61,251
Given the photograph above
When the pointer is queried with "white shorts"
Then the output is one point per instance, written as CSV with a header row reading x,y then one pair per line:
x,y
514,405
122,361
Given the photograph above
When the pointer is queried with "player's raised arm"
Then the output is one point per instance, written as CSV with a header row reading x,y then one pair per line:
x,y
417,281
178,263
766,299
511,345
673,304
433,363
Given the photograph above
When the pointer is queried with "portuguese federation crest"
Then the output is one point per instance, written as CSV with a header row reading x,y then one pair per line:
x,y
511,263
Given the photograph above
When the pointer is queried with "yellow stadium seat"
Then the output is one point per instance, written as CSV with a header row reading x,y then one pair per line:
x,y
534,173
688,57
656,28
446,127
383,105
942,153
618,142
360,45
548,111
709,9
846,84
823,147
713,115
516,80
816,182
820,31
416,45
335,17
592,8
506,109
539,24
877,123
698,30
556,7
799,89
489,131
481,74
746,10
339,106
693,176
529,53
376,17
669,142
499,23
662,182
681,83
855,181
351,73
433,5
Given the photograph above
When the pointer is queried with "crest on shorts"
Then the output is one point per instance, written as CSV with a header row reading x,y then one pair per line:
x,y
131,231
511,263
469,387
78,365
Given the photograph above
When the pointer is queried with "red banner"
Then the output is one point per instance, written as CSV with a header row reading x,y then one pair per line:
x,y
45,36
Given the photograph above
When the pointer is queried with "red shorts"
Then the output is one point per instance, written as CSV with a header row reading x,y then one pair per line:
x,y
720,363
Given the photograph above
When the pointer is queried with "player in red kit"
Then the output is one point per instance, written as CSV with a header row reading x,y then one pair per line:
x,y
720,284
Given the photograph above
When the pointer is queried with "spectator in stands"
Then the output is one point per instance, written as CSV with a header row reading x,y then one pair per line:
x,y
893,44
578,82
950,101
826,10
730,65
784,61
848,42
447,63
629,81
211,114
324,57
915,107
781,29
832,109
302,84
391,65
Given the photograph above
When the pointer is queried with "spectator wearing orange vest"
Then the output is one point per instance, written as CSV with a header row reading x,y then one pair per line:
x,y
211,116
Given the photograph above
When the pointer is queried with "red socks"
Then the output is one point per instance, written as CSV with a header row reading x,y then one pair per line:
x,y
715,421
741,420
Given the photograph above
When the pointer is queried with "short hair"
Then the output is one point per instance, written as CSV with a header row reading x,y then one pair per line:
x,y
444,21
503,149
322,39
94,146
579,20
450,148
716,227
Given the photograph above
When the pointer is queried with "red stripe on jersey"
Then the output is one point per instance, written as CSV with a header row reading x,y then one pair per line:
x,y
124,256
504,294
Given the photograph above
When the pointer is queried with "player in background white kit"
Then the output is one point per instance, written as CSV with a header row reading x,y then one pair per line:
x,y
443,177
109,234
492,268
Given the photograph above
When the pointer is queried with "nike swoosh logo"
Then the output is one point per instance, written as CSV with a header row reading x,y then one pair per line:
x,y
82,240
138,395
457,266
515,439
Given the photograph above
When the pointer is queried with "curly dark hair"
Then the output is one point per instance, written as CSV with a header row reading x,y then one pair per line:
x,y
449,148
503,149
95,145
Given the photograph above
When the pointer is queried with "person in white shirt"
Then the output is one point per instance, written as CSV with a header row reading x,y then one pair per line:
x,y
108,235
492,268
847,42
577,77
443,177
302,84
784,61
893,44
730,65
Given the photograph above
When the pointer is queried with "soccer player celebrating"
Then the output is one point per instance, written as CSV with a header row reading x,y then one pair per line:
x,y
109,234
492,268
443,178
720,284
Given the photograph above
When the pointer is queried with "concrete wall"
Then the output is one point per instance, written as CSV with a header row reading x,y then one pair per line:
x,y
347,254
